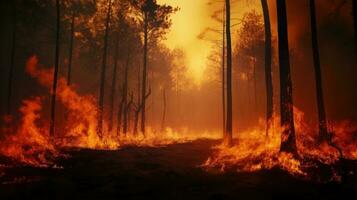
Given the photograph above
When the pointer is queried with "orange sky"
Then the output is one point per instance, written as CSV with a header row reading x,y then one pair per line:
x,y
192,19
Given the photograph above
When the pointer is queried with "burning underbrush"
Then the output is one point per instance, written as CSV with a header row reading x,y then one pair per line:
x,y
253,150
28,142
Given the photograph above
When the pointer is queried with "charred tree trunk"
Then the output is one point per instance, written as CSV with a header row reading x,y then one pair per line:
x,y
125,94
114,82
136,122
102,80
12,60
255,87
120,114
138,110
224,71
127,115
55,74
70,56
164,110
268,70
323,133
288,142
354,7
143,89
229,128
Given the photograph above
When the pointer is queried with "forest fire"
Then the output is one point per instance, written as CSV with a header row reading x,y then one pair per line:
x,y
32,145
253,151
29,144
168,99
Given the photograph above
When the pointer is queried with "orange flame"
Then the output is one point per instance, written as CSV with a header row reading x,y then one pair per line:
x,y
32,145
254,151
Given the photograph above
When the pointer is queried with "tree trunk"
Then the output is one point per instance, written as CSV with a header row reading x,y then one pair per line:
x,y
288,142
55,74
323,134
268,70
229,134
125,93
139,109
224,72
12,61
114,81
164,110
354,7
255,87
120,114
102,80
70,56
143,89
136,122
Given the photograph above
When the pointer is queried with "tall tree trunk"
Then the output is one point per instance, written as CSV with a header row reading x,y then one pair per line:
x,y
102,80
125,93
354,7
70,55
224,71
229,128
12,61
55,74
164,110
139,109
120,115
268,71
288,142
136,122
137,112
114,82
255,87
323,133
143,89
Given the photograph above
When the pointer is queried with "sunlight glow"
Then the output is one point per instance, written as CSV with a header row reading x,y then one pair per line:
x,y
188,23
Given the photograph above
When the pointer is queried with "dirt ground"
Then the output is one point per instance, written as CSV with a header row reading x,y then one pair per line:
x,y
170,172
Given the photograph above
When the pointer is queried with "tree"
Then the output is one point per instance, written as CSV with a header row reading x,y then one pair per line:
x,y
229,125
323,133
70,52
250,50
268,70
75,14
155,20
224,70
354,11
55,74
12,60
103,71
125,91
114,80
164,109
288,141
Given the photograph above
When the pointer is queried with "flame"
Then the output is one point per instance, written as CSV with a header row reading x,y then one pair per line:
x,y
31,144
255,151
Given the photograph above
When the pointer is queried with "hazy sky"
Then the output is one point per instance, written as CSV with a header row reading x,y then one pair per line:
x,y
192,18
190,21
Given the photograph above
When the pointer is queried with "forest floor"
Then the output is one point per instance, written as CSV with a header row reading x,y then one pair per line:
x,y
170,172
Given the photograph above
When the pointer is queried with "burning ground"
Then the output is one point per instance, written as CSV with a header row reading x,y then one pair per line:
x,y
152,173
81,164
